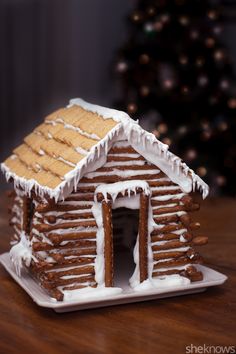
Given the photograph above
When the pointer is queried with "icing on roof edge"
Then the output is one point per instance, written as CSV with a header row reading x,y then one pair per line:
x,y
142,141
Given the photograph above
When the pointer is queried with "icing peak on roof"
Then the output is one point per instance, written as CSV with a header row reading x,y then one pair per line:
x,y
75,140
104,112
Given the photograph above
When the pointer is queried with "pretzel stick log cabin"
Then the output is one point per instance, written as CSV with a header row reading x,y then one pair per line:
x,y
56,172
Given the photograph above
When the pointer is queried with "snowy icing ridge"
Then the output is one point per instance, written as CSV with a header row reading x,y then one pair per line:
x,y
143,142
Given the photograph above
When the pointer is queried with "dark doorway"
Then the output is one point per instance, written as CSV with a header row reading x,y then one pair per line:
x,y
125,230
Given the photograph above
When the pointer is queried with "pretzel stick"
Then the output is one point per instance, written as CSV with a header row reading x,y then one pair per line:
x,y
60,207
167,229
47,228
57,238
166,219
165,192
129,167
169,245
172,209
43,246
119,150
68,216
108,247
114,178
143,235
165,237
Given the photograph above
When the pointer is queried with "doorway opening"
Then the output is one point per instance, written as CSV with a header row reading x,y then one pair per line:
x,y
125,230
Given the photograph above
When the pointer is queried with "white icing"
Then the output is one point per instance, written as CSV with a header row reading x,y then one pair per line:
x,y
99,261
69,126
164,206
182,239
131,202
122,173
131,156
88,293
135,278
21,253
114,189
163,198
164,269
174,280
82,151
125,163
173,250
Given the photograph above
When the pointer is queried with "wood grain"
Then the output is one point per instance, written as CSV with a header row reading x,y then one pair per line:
x,y
160,326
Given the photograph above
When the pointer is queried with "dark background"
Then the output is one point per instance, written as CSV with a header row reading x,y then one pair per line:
x,y
53,50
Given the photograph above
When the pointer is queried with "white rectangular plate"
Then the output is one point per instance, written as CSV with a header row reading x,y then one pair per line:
x,y
211,278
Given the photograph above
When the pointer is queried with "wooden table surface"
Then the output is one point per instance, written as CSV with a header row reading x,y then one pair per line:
x,y
160,326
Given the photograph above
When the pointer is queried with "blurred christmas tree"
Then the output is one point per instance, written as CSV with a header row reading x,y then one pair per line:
x,y
176,77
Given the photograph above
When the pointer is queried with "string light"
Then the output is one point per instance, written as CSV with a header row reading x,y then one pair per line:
x,y
164,18
201,171
217,30
202,80
194,34
222,126
206,135
144,59
183,59
132,108
144,91
156,133
212,14
213,100
224,84
232,103
220,180
185,89
162,128
148,27
200,61
182,130
168,84
136,16
219,55
121,66
158,26
166,141
205,125
184,20
151,11
210,42
191,154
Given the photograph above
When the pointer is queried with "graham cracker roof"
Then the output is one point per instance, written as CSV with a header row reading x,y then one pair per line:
x,y
74,140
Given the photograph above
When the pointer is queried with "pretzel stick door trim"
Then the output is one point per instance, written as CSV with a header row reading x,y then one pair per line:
x,y
108,239
108,242
143,236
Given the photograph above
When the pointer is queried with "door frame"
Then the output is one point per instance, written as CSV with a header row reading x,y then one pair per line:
x,y
108,239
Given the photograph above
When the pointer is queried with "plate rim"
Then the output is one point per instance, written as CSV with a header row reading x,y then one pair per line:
x,y
122,297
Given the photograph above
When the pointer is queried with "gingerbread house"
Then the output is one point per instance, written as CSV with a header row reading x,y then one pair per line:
x,y
89,183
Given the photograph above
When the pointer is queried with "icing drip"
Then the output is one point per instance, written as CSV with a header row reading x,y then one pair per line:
x,y
21,253
121,187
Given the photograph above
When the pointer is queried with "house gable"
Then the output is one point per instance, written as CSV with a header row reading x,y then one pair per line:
x,y
75,140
